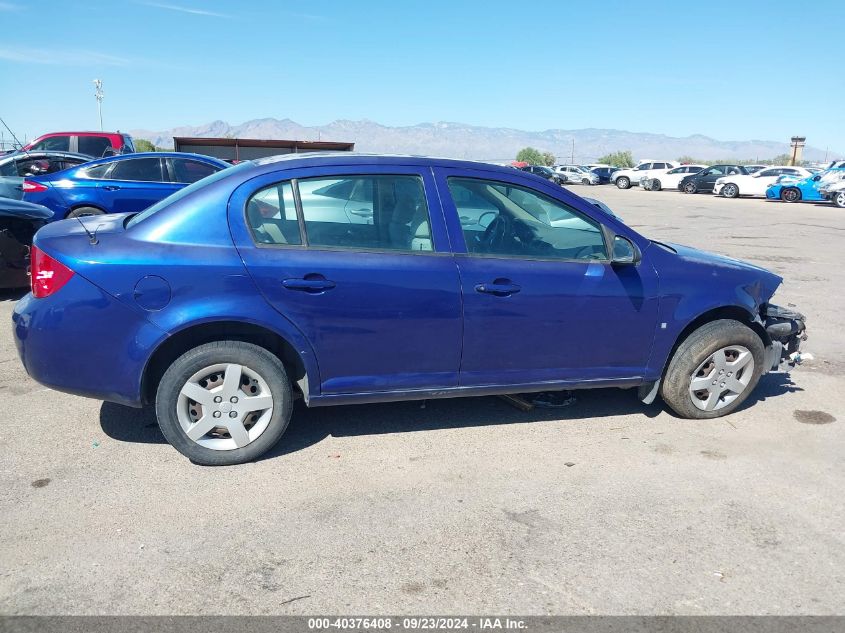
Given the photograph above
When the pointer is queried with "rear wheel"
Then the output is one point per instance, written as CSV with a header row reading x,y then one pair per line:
x,y
585,181
623,182
839,199
790,194
690,188
223,403
83,211
714,370
730,190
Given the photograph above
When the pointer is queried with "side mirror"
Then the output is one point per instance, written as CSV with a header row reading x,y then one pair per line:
x,y
625,252
817,178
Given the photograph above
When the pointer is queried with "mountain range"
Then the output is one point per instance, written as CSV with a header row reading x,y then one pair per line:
x,y
459,140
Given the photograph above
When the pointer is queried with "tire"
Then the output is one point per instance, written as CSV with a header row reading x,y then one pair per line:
x,y
623,182
258,372
656,185
790,194
839,199
585,181
730,190
697,358
690,188
80,212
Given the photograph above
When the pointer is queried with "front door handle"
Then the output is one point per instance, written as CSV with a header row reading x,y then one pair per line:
x,y
111,187
310,284
499,288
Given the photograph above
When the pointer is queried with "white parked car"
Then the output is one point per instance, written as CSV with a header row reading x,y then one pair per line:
x,y
756,184
625,178
576,174
671,179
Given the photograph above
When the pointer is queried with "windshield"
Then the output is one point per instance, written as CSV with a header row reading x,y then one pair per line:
x,y
182,193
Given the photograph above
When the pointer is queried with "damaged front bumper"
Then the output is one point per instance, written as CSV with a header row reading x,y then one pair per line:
x,y
786,329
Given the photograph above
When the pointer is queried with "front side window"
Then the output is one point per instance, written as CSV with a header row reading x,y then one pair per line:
x,y
643,166
138,169
769,172
271,215
53,144
189,171
366,212
515,221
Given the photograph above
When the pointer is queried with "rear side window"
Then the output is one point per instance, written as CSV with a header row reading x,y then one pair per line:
x,y
366,212
513,221
138,169
271,215
96,146
97,171
54,143
191,170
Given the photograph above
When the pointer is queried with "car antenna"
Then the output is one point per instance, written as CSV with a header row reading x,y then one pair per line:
x,y
20,145
92,237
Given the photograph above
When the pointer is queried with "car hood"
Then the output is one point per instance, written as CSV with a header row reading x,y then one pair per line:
x,y
768,281
10,208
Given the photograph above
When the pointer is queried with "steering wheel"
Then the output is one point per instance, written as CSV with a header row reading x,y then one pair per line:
x,y
496,231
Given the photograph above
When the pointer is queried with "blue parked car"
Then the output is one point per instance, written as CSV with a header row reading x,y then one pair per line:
x,y
343,278
807,189
118,184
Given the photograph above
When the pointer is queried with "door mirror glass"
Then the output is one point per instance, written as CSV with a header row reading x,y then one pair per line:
x,y
625,251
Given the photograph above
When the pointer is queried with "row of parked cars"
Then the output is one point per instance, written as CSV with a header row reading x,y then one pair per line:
x,y
787,183
63,175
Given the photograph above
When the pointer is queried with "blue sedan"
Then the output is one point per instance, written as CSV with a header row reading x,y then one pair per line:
x,y
790,190
118,184
343,278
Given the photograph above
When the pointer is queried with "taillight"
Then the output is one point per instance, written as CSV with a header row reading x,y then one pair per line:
x,y
48,275
30,186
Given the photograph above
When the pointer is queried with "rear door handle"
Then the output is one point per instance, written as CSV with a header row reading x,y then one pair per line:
x,y
498,289
315,285
111,187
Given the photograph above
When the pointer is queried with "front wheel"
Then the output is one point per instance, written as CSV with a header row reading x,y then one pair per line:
x,y
790,194
730,190
690,188
623,182
839,199
224,403
714,370
656,185
585,181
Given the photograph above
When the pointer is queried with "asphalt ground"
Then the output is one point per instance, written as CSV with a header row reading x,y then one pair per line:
x,y
460,506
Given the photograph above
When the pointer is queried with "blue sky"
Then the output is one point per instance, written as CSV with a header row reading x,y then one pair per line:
x,y
733,70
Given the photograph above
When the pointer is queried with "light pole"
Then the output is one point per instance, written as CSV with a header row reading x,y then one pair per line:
x,y
98,93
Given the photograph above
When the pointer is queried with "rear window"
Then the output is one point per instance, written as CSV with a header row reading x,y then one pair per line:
x,y
187,191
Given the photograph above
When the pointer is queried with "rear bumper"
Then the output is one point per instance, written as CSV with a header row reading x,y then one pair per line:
x,y
83,341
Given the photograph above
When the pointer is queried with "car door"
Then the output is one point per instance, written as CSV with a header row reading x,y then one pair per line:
x,y
378,301
707,178
759,182
542,303
134,184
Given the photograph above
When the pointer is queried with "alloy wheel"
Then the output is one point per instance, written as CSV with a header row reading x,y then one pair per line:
x,y
225,406
721,378
839,199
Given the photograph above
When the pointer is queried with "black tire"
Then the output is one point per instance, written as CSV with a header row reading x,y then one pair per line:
x,y
248,355
623,182
690,188
730,190
80,212
839,199
656,185
790,194
697,347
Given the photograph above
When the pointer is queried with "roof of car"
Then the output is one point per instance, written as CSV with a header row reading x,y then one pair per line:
x,y
311,159
117,157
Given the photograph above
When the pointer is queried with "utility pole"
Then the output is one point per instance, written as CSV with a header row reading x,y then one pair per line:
x,y
572,155
98,93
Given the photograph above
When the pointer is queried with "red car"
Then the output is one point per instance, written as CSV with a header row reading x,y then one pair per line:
x,y
95,144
